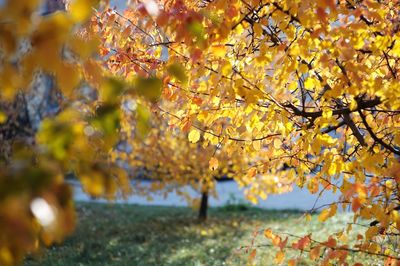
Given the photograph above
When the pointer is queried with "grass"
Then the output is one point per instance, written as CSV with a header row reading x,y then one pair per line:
x,y
151,235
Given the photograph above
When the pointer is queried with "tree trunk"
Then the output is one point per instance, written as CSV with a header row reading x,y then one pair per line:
x,y
29,108
203,206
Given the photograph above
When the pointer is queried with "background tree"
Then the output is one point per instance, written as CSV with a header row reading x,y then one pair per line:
x,y
176,161
314,83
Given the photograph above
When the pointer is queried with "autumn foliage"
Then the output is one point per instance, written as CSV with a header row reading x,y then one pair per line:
x,y
308,89
306,92
160,153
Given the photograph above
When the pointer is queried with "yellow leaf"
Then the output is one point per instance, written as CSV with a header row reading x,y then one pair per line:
x,y
268,233
343,238
6,256
332,168
226,69
194,136
309,83
293,85
353,105
280,256
83,47
81,9
218,50
252,172
325,214
374,248
257,145
93,73
371,232
303,68
277,143
68,78
213,163
3,117
93,183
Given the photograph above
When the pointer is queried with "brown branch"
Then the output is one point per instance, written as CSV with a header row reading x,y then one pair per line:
x,y
219,136
332,128
344,248
389,66
360,106
354,128
375,137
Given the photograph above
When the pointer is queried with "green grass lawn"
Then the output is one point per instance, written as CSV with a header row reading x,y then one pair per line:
x,y
150,235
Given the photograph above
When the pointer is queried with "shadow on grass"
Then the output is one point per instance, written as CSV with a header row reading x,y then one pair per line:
x,y
151,235
118,234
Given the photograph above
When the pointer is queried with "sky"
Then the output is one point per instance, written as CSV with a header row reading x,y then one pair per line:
x,y
119,4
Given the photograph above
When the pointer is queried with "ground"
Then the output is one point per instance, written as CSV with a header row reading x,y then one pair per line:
x,y
120,234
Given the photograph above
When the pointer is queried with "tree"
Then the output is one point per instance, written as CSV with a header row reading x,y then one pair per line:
x,y
175,160
304,85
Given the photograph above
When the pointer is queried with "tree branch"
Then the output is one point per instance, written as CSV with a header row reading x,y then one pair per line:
x,y
378,140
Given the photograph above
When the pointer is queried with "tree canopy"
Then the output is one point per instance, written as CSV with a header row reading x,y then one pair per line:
x,y
176,160
309,88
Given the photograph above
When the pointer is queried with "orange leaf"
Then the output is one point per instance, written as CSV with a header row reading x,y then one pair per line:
x,y
355,204
252,254
314,252
302,243
162,18
252,172
331,243
126,32
371,232
186,124
283,243
197,100
276,241
280,256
